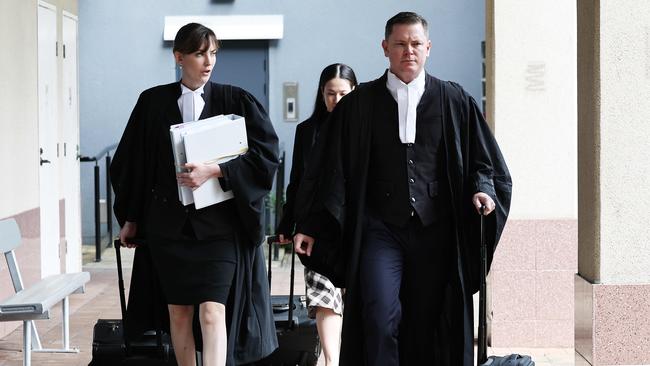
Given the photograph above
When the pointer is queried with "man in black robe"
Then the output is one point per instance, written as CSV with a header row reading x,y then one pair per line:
x,y
388,208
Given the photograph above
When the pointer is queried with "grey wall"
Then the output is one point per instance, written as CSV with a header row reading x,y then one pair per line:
x,y
122,53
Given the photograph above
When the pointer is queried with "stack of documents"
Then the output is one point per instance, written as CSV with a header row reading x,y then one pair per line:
x,y
210,141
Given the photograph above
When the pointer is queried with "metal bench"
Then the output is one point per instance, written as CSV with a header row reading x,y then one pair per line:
x,y
35,302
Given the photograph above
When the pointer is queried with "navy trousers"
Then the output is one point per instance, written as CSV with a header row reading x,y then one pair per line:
x,y
403,273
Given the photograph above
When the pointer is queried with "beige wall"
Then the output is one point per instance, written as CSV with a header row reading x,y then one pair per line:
x,y
535,104
613,287
625,142
531,90
18,107
614,79
18,148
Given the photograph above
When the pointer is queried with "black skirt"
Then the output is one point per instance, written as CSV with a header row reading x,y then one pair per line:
x,y
194,271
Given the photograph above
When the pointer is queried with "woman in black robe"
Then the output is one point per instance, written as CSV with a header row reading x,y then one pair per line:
x,y
206,258
323,297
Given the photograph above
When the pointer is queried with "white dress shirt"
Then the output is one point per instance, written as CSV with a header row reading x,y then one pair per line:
x,y
407,97
191,103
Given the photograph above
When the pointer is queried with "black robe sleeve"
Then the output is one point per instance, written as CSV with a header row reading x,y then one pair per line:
x,y
323,195
287,223
483,170
131,177
129,170
250,176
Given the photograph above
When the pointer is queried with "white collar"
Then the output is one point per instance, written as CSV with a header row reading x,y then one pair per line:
x,y
192,107
185,89
394,83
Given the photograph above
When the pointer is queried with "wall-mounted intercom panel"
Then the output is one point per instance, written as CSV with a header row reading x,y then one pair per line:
x,y
290,101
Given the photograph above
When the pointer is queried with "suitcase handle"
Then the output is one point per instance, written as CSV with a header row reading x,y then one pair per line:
x,y
271,240
117,244
281,308
481,356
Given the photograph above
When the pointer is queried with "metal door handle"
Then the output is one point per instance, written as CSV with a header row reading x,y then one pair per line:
x,y
43,161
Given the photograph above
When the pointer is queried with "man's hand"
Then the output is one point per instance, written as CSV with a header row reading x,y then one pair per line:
x,y
126,232
303,244
482,199
282,240
197,174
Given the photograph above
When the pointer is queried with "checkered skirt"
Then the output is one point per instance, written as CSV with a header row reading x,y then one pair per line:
x,y
321,292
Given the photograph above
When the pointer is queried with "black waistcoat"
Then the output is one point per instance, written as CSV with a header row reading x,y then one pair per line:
x,y
407,179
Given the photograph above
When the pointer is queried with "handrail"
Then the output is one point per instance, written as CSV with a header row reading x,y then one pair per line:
x,y
279,200
109,197
104,152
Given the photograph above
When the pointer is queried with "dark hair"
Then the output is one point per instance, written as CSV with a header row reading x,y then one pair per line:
x,y
194,37
330,72
405,17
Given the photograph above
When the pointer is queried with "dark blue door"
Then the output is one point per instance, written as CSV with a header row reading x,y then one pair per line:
x,y
244,64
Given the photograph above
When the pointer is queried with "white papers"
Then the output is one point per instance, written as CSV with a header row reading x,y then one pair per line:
x,y
210,141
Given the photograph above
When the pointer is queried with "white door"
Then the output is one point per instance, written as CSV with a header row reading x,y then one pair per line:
x,y
70,115
47,136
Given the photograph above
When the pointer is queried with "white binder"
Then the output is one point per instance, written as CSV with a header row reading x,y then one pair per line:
x,y
210,141
178,148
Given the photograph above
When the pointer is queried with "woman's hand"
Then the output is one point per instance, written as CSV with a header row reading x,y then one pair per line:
x,y
198,173
127,232
303,244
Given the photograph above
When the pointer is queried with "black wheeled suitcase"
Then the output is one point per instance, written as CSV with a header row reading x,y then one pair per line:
x,y
111,347
482,359
297,333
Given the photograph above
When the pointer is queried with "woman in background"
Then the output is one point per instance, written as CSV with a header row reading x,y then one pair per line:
x,y
324,299
207,259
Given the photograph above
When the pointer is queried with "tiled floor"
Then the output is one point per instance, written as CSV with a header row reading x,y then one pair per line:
x,y
101,301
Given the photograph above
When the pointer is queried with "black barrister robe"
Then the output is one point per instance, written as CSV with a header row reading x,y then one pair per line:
x,y
144,149
303,143
331,204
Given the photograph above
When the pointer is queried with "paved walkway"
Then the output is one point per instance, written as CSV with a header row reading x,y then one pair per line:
x,y
101,301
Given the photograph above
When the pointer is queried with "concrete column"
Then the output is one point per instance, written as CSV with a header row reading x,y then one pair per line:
x,y
531,95
613,284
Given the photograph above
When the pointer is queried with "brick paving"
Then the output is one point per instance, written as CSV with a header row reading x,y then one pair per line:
x,y
101,301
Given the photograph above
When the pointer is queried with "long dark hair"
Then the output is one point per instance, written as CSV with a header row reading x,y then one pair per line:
x,y
330,72
194,37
